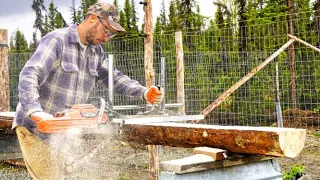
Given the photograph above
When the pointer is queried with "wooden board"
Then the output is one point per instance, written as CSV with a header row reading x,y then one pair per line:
x,y
201,162
240,139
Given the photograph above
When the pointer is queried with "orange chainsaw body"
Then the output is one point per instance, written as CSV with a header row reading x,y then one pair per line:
x,y
79,116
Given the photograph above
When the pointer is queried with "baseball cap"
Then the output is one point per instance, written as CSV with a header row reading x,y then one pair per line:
x,y
108,12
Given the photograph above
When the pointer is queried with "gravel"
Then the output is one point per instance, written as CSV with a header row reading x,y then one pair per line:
x,y
9,172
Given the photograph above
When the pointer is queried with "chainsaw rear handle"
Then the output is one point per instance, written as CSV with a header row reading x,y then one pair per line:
x,y
40,116
35,118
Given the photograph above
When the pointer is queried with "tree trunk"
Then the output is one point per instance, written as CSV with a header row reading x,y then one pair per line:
x,y
239,139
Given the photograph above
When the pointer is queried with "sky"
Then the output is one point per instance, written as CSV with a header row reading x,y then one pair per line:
x,y
18,14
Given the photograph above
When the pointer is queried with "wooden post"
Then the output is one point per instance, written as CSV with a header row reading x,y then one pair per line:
x,y
180,71
4,78
149,76
292,57
148,44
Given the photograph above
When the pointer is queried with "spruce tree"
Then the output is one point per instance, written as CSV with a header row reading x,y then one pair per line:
x,y
11,44
75,14
157,28
122,19
51,16
189,14
59,21
134,20
163,17
34,43
20,43
84,6
38,7
173,18
128,15
115,3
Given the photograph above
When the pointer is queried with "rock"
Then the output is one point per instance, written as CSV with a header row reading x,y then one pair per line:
x,y
305,177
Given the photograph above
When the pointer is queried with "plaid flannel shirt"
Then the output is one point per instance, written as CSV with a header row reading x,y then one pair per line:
x,y
60,74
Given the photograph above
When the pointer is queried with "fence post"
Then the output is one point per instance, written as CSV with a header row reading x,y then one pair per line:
x,y
148,44
292,57
4,78
149,76
180,72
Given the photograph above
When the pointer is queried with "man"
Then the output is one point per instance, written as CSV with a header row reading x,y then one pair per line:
x,y
62,72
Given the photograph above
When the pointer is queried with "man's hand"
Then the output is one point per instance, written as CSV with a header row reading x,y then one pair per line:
x,y
154,94
37,116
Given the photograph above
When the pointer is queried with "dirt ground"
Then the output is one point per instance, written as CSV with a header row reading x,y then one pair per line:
x,y
309,157
115,159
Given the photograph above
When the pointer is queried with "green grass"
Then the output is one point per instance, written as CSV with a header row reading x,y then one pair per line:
x,y
317,134
296,171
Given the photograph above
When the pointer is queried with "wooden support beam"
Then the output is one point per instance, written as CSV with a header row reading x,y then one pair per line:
x,y
305,43
239,139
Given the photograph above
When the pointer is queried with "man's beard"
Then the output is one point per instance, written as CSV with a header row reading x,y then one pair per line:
x,y
90,34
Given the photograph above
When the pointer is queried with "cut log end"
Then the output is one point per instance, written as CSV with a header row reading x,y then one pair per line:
x,y
292,142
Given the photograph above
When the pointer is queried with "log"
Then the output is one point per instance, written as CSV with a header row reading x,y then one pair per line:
x,y
6,119
5,124
239,139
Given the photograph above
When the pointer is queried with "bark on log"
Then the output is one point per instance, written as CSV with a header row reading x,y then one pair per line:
x,y
239,139
6,119
5,124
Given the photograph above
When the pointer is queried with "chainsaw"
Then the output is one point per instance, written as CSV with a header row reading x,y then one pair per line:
x,y
79,116
88,116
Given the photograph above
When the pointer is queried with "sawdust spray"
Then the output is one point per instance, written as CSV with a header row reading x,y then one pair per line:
x,y
85,153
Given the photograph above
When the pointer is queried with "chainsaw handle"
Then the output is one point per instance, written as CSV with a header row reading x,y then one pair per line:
x,y
35,118
39,116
